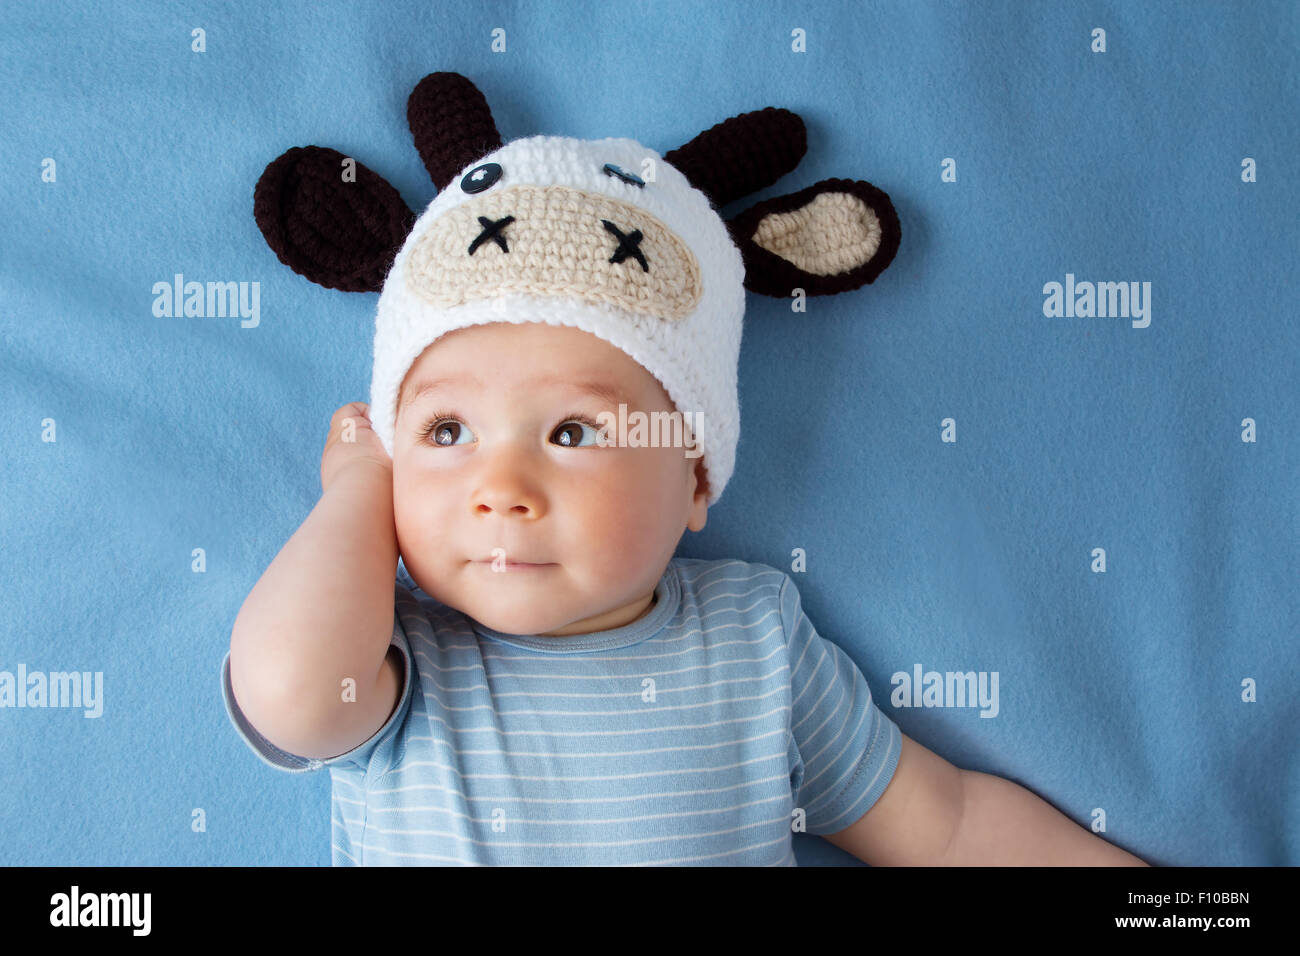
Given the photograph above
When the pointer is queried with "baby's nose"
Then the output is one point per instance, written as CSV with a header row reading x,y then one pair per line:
x,y
555,240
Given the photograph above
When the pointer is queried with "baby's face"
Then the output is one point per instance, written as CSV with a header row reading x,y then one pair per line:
x,y
497,472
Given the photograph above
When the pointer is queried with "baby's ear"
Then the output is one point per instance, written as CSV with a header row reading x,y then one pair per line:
x,y
701,478
699,512
834,236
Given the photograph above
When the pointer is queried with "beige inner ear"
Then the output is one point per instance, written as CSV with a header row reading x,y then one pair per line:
x,y
834,233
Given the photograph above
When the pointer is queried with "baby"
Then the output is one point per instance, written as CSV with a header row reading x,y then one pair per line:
x,y
546,683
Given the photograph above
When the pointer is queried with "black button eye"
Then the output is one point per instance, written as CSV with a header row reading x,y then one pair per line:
x,y
612,170
480,178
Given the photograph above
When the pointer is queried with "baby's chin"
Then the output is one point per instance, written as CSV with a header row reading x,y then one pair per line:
x,y
501,616
515,605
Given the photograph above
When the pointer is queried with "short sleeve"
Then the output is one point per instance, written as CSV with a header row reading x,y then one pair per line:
x,y
847,748
358,756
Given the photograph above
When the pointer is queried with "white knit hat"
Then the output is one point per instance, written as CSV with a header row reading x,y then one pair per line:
x,y
673,300
605,235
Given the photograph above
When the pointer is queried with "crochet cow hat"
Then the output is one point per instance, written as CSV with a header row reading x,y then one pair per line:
x,y
603,235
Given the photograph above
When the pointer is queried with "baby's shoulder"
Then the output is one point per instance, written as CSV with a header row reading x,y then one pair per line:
x,y
730,579
417,613
730,565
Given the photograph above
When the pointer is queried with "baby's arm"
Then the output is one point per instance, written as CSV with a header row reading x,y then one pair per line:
x,y
935,814
323,610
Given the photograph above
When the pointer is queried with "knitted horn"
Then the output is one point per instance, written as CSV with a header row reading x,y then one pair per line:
x,y
743,154
452,125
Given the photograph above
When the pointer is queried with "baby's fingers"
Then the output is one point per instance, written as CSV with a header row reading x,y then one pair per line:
x,y
356,410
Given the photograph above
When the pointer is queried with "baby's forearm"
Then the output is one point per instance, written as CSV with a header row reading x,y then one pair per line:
x,y
1003,824
323,609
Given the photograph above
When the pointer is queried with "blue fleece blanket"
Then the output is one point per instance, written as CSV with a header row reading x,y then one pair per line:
x,y
1053,445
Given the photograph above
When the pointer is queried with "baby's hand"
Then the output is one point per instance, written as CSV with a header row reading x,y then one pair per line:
x,y
351,439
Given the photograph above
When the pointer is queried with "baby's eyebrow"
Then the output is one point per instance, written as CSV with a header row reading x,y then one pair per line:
x,y
610,392
418,390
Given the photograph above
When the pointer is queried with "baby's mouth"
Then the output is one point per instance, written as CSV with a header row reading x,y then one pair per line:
x,y
496,563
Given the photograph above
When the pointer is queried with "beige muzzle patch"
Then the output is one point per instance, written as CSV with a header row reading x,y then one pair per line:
x,y
555,245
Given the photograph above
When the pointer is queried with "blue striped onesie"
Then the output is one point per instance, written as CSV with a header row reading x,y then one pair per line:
x,y
701,734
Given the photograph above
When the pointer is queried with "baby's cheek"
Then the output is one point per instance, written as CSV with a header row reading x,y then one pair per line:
x,y
421,533
628,512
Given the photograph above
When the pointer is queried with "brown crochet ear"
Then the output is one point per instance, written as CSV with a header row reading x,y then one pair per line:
x,y
452,125
743,154
340,234
834,236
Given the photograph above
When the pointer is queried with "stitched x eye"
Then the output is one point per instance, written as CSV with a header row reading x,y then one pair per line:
x,y
628,245
491,230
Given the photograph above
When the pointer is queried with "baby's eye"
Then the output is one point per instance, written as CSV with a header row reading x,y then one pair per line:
x,y
566,433
447,431
573,433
